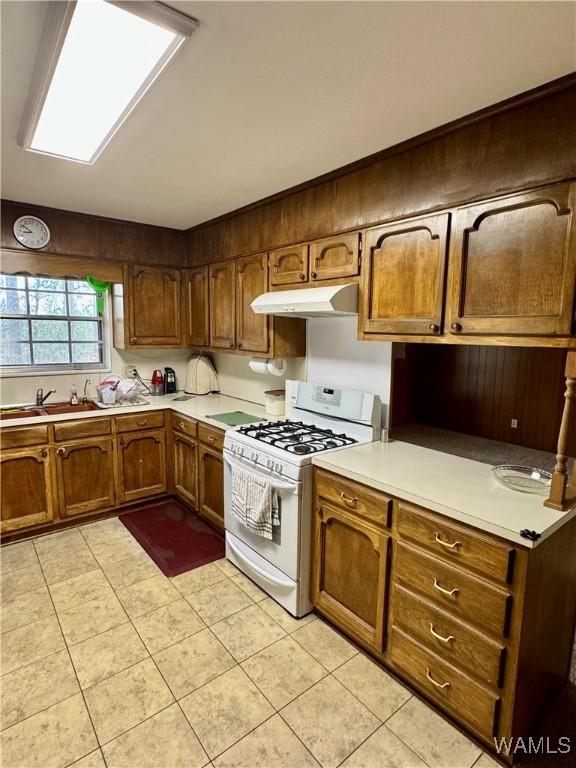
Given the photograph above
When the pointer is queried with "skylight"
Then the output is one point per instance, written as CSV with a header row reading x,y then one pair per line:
x,y
108,59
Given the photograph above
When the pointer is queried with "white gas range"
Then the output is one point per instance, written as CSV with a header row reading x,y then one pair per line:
x,y
318,419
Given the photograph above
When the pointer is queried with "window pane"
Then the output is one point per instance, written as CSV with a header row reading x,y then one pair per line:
x,y
50,330
82,305
12,281
46,284
46,354
47,303
15,354
13,330
85,353
84,330
79,286
13,302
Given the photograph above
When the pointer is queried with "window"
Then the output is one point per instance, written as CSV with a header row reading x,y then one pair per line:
x,y
49,323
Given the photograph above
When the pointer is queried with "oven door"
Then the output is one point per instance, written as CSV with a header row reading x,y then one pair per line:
x,y
283,549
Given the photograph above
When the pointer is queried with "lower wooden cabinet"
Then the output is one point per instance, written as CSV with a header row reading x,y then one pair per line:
x,y
349,573
85,476
211,484
185,467
141,465
26,490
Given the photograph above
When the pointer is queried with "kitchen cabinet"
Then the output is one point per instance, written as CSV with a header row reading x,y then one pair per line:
x,y
334,258
480,627
403,276
27,488
223,305
211,477
147,308
197,307
289,265
85,476
513,265
185,467
252,280
349,573
141,465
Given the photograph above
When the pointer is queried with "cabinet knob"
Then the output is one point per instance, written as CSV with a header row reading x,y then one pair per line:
x,y
239,345
133,340
61,451
182,426
313,275
456,327
302,276
44,453
231,345
122,441
434,328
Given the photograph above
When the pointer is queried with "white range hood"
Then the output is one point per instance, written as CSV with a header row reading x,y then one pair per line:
x,y
309,302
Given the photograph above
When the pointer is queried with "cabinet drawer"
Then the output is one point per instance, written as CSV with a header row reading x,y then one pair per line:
x,y
459,644
470,702
19,437
354,497
69,430
454,590
456,544
185,425
212,437
150,420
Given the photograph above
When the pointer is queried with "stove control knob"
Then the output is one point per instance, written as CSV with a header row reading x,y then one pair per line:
x,y
254,457
278,467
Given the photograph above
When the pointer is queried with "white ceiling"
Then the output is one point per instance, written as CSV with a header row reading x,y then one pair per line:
x,y
266,95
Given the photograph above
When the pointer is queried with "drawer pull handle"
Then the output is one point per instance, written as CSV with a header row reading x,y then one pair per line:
x,y
350,500
439,637
182,426
211,438
438,540
435,682
142,423
449,592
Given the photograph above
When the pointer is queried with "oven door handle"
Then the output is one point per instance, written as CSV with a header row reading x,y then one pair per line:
x,y
256,569
275,486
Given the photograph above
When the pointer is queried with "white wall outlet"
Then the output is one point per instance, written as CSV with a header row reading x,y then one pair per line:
x,y
514,423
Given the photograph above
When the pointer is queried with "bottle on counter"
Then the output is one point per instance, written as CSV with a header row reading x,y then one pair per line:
x,y
74,397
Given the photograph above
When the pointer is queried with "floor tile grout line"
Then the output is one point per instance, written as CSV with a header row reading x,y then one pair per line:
x,y
414,752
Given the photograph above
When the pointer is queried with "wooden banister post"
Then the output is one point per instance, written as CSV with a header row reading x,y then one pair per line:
x,y
563,493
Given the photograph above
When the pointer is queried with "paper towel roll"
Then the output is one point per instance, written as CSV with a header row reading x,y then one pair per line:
x,y
269,367
257,365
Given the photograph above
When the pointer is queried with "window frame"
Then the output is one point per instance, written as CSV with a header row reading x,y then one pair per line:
x,y
40,369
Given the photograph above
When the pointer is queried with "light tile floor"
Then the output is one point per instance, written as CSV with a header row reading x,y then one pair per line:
x,y
106,662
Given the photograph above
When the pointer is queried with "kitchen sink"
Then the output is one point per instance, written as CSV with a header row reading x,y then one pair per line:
x,y
27,411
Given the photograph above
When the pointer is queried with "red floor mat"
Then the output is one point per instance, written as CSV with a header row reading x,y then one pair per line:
x,y
175,538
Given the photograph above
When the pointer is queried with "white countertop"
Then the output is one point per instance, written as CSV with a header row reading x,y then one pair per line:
x,y
199,407
461,489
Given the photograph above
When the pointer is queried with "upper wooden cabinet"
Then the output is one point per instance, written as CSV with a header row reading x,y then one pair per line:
x,y
335,257
289,265
26,490
196,306
252,280
222,304
513,265
147,308
403,277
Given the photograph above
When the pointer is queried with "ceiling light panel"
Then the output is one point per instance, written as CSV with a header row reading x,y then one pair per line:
x,y
107,59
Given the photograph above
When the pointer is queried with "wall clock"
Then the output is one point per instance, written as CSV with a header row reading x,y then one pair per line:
x,y
31,232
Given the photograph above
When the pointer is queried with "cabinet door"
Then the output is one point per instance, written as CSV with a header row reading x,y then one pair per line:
x,y
289,265
252,280
513,265
196,304
186,468
403,277
152,297
335,257
349,573
222,305
85,476
26,490
141,465
211,475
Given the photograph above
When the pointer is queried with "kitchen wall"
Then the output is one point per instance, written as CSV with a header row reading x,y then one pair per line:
x,y
238,380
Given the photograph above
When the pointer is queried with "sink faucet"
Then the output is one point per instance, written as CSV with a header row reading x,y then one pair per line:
x,y
41,397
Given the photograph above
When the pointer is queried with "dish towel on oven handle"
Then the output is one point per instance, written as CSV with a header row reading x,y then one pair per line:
x,y
253,501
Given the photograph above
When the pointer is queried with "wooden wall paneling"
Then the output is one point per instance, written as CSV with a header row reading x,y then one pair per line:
x,y
523,142
479,390
13,262
96,237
